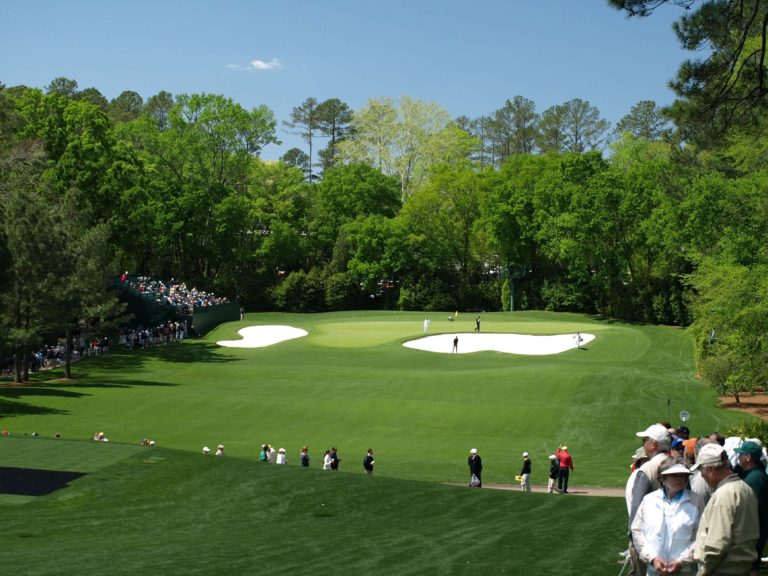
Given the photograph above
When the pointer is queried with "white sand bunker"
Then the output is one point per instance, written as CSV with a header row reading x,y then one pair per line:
x,y
510,343
260,336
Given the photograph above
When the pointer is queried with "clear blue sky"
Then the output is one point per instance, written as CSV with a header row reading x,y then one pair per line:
x,y
468,56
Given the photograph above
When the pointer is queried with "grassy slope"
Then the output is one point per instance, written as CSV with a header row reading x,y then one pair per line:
x,y
170,512
350,383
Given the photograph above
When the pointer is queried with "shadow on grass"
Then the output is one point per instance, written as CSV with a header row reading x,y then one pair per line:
x,y
34,482
10,408
193,352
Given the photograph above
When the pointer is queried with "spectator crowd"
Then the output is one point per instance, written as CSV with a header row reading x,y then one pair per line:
x,y
175,294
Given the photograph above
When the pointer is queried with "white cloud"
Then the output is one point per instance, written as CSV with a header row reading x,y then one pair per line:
x,y
262,65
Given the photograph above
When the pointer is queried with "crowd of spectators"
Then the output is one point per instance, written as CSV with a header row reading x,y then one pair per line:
x,y
186,300
140,337
53,355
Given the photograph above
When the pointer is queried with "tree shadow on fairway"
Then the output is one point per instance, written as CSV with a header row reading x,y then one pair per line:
x,y
11,408
34,482
194,352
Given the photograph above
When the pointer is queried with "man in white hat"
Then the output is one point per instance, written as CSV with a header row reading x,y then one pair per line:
x,y
656,443
475,464
525,474
726,540
554,472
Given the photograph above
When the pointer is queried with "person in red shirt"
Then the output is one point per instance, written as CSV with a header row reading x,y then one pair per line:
x,y
566,466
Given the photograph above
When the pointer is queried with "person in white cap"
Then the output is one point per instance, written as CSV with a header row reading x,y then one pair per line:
x,y
281,456
525,474
664,528
220,450
554,472
475,464
638,459
726,540
656,443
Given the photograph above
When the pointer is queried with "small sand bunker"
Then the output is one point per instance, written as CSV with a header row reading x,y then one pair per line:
x,y
510,343
260,336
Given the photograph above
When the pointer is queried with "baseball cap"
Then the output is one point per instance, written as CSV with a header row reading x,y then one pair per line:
x,y
709,454
677,444
525,453
639,453
655,432
552,456
749,447
473,451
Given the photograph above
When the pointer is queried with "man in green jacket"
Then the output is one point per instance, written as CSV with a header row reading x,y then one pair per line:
x,y
753,473
726,541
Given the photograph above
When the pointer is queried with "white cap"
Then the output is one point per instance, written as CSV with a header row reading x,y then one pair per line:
x,y
525,454
655,432
206,449
676,469
709,454
473,451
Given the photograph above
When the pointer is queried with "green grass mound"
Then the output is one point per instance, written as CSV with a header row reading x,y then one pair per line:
x,y
349,383
162,511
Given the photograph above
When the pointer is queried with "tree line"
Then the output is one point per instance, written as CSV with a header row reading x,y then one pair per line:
x,y
403,207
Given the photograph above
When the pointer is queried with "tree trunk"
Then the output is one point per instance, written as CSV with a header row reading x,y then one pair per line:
x,y
68,354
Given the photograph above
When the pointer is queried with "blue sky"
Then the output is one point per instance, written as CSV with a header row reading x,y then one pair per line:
x,y
468,56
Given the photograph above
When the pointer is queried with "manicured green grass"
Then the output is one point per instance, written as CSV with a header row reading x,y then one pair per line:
x,y
349,383
171,512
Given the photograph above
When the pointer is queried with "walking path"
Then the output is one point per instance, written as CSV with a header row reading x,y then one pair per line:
x,y
573,489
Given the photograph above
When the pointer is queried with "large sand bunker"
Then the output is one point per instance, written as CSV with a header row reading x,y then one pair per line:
x,y
510,343
260,336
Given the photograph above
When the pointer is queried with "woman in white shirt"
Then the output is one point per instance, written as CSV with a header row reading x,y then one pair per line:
x,y
664,528
327,460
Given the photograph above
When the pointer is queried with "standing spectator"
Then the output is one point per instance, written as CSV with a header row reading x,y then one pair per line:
x,y
554,472
327,460
264,453
525,474
566,467
754,475
638,459
368,462
220,450
665,525
334,459
455,349
304,457
726,541
477,324
475,464
656,443
281,456
698,485
272,454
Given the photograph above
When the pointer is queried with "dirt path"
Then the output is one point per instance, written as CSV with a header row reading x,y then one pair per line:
x,y
573,489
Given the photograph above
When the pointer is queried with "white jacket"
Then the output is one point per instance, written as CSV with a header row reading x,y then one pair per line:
x,y
666,528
